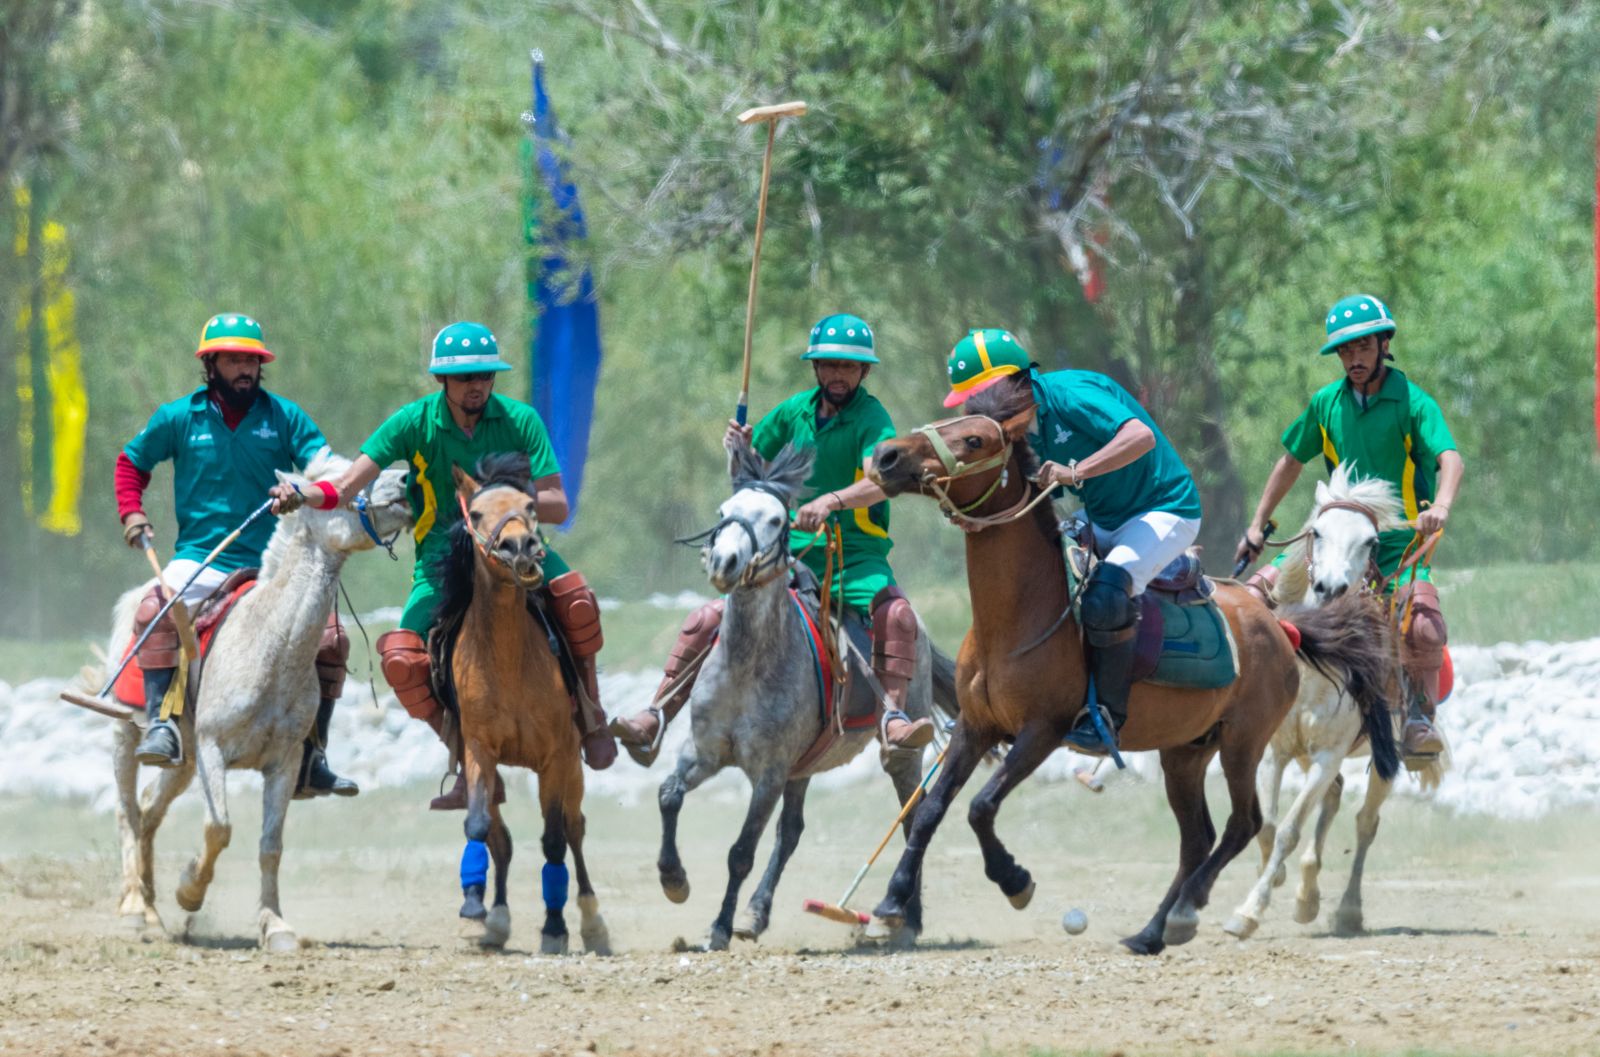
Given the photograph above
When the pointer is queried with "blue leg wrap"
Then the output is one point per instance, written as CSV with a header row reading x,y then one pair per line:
x,y
474,864
554,881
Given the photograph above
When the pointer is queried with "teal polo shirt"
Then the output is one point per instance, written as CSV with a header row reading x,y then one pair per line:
x,y
220,475
1079,413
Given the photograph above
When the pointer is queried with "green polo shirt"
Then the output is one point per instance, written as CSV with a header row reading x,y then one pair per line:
x,y
1398,436
1079,413
424,436
842,444
220,475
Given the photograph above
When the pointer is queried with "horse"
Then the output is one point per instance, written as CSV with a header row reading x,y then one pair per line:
x,y
1331,555
754,705
497,670
254,701
1021,672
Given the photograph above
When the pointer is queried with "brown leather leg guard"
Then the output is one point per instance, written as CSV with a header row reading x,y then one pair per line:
x,y
894,662
162,648
576,611
332,657
404,657
1261,584
1422,655
641,732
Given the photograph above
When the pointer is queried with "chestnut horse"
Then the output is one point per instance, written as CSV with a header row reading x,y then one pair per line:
x,y
1021,673
494,660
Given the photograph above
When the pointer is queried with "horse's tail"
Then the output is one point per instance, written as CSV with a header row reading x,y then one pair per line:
x,y
944,685
1350,642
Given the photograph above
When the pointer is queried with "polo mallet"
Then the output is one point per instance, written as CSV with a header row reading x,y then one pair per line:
x,y
769,114
180,612
1244,563
115,709
838,911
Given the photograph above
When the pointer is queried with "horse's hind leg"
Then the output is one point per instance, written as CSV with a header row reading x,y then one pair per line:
x,y
136,912
153,804
1184,771
791,823
1347,921
764,796
196,877
1324,771
688,774
1308,898
1240,757
592,927
274,933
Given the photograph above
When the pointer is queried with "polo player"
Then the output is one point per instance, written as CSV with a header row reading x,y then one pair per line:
x,y
226,441
1095,440
842,422
457,426
1388,427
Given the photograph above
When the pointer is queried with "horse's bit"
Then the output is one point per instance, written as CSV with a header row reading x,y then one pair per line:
x,y
488,545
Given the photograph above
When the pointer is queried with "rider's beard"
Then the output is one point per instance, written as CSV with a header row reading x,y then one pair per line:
x,y
239,397
840,397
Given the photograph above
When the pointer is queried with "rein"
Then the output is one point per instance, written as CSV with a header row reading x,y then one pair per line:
x,y
487,545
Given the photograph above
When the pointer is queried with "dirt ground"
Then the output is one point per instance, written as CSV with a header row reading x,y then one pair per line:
x,y
1486,940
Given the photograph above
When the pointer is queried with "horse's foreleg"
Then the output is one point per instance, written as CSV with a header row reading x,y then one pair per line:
x,y
1324,770
764,796
686,776
1240,758
1308,899
497,918
592,927
553,879
136,912
196,876
1183,769
1347,921
1269,790
905,770
791,823
966,748
153,804
1034,744
278,786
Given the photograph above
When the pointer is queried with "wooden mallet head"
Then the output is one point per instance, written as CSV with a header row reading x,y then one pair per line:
x,y
771,113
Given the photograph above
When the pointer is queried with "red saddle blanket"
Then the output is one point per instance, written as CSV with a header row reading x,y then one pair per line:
x,y
129,688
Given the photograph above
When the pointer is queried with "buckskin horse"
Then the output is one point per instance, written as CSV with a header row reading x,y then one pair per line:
x,y
498,672
1021,673
253,701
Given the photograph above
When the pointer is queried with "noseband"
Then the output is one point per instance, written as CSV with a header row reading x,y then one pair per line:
x,y
489,545
765,566
955,469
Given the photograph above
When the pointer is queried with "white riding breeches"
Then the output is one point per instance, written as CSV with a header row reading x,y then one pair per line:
x,y
180,569
1145,545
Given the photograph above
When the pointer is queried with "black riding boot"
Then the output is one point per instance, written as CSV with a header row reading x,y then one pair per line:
x,y
161,746
316,778
1111,625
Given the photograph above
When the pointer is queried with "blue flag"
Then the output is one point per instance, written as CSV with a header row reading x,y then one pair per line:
x,y
566,325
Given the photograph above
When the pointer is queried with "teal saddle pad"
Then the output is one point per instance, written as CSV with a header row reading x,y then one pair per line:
x,y
1186,646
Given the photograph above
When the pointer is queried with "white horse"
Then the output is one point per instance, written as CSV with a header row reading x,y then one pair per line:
x,y
1324,728
252,708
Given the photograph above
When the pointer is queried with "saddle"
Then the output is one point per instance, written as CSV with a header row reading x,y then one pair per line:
x,y
849,701
208,617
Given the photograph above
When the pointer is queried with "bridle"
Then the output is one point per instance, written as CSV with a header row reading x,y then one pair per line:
x,y
765,565
956,468
489,545
362,505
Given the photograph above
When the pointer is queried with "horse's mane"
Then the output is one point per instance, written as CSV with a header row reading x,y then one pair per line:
x,y
1374,493
454,569
323,466
786,474
1004,402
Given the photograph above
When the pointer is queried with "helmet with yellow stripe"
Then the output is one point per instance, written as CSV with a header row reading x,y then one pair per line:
x,y
981,359
233,332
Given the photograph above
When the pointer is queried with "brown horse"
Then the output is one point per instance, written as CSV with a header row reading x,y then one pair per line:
x,y
494,659
1019,680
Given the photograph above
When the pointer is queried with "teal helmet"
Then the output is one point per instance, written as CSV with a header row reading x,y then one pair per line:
x,y
466,348
1355,317
841,337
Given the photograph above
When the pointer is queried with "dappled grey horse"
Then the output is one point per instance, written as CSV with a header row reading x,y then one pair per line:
x,y
755,702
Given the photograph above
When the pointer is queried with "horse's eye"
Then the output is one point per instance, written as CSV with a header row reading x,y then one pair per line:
x,y
1372,544
775,521
477,516
1315,534
533,511
974,443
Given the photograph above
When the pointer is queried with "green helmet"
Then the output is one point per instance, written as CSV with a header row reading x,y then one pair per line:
x,y
981,359
1355,317
233,332
466,348
841,337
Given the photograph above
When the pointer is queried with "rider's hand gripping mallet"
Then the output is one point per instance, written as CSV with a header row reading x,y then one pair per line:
x,y
1266,531
99,702
769,114
838,911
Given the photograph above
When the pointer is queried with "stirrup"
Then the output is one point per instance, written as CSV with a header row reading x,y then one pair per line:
x,y
1097,738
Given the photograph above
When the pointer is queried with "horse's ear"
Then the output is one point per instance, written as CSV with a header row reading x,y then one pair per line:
x,y
744,465
1324,494
465,485
1016,427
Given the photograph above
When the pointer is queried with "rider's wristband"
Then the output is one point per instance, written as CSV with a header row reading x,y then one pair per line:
x,y
323,495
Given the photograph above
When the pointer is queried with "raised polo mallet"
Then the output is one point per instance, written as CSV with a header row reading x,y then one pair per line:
x,y
769,114
116,709
838,911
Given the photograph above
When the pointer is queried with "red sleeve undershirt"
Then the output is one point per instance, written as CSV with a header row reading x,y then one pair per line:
x,y
131,483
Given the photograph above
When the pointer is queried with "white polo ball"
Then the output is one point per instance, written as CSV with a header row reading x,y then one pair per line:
x,y
1074,921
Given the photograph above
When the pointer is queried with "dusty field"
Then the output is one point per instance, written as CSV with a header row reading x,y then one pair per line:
x,y
1486,939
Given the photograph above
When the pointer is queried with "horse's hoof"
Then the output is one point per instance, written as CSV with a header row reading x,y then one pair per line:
x,y
876,934
1241,927
1306,910
549,944
1280,875
1140,943
718,940
1347,922
597,940
1181,927
747,926
280,941
496,928
472,907
189,899
676,889
883,929
1021,900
